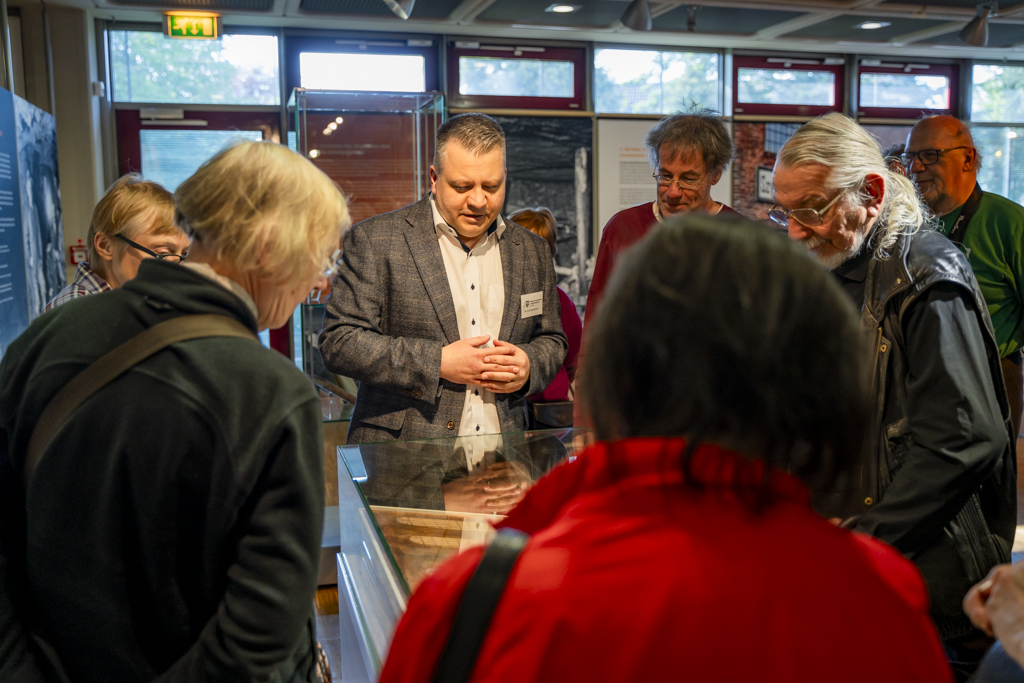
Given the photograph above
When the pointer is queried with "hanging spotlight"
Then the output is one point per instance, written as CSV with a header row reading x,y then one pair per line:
x,y
691,19
401,8
976,31
637,16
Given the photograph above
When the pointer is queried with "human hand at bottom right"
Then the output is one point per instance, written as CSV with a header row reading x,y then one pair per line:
x,y
996,606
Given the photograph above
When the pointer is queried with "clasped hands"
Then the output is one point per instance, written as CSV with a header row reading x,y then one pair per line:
x,y
503,369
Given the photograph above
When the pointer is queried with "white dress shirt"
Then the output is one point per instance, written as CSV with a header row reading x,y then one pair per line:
x,y
478,291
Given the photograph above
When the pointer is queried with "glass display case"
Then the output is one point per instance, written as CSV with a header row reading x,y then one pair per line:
x,y
406,506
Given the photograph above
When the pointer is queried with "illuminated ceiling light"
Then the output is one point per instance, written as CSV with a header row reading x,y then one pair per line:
x,y
327,131
563,9
638,16
333,125
314,153
339,120
999,152
976,31
871,25
1010,134
401,8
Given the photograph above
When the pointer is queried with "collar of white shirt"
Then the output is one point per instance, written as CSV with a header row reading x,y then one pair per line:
x,y
442,227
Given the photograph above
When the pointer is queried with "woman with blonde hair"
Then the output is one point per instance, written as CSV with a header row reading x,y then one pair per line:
x,y
170,525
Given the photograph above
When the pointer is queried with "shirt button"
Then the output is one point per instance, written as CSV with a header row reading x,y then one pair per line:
x,y
476,393
472,286
473,322
451,425
478,428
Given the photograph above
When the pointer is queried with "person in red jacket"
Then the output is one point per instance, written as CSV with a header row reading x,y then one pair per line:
x,y
727,381
689,153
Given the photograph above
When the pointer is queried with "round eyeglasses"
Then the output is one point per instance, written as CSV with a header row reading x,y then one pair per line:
x,y
808,218
666,180
332,264
170,257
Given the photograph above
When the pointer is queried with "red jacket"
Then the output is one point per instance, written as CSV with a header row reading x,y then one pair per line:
x,y
558,390
623,230
630,575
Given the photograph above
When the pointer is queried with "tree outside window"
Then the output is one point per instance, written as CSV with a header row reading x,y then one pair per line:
x,y
654,82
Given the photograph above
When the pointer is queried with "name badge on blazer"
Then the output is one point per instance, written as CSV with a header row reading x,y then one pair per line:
x,y
532,304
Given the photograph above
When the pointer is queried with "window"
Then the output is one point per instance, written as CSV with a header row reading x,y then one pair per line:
x,y
655,82
236,69
1002,153
515,76
910,91
171,156
997,93
784,86
361,71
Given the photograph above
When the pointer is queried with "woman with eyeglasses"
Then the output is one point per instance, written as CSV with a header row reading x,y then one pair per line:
x,y
171,529
133,221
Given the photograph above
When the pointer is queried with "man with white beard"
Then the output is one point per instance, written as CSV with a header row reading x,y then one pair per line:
x,y
939,478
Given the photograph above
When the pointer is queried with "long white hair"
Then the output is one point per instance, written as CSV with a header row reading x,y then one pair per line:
x,y
851,154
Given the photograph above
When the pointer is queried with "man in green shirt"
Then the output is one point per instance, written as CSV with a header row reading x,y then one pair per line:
x,y
941,158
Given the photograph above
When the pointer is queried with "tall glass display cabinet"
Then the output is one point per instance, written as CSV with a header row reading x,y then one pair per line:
x,y
378,147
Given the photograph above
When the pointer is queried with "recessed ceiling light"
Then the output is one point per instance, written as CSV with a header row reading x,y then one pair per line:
x,y
873,24
562,9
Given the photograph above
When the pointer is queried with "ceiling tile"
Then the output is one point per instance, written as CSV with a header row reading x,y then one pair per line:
x,y
722,20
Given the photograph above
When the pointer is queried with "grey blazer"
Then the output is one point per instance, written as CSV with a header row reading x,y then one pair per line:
x,y
391,311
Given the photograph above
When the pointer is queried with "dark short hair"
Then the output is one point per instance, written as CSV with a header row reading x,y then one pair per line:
x,y
477,133
698,130
720,330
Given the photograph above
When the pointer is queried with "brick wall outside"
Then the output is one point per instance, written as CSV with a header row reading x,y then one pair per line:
x,y
748,139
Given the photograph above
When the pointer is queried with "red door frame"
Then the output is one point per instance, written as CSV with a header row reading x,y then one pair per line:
x,y
129,154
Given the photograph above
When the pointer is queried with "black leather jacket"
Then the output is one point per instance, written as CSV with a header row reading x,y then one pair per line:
x,y
940,484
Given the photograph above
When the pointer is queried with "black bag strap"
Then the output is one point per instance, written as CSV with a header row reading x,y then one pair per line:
x,y
477,607
959,229
115,363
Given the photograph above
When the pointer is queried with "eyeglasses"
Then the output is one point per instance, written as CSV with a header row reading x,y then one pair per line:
x,y
666,180
808,218
332,264
169,257
927,157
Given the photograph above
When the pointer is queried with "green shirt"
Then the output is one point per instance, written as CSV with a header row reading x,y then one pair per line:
x,y
994,244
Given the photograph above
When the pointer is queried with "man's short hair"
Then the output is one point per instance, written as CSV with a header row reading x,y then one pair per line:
x,y
699,130
131,207
476,133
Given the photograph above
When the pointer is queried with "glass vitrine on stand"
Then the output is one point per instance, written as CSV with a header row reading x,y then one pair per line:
x,y
400,516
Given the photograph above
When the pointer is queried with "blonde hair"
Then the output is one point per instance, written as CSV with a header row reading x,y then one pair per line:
x,y
850,153
539,221
260,206
131,207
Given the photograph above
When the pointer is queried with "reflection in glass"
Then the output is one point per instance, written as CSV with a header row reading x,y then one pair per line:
x,y
236,69
654,82
904,91
786,86
1002,150
171,156
997,93
515,77
362,72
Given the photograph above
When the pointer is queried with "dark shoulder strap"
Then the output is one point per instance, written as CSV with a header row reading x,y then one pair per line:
x,y
115,363
959,229
477,607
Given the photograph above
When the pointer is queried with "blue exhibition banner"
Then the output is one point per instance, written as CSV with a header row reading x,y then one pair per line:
x,y
14,299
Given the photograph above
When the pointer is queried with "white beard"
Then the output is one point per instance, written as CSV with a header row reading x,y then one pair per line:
x,y
836,259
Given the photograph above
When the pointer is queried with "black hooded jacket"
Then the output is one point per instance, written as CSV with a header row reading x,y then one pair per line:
x,y
172,528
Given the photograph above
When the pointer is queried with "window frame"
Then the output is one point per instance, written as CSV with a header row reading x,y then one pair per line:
x,y
778,63
485,48
373,44
722,94
950,71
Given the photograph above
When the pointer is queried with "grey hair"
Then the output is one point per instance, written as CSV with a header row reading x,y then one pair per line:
x,y
698,130
850,153
476,133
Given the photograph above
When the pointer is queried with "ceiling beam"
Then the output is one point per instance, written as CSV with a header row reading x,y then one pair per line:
x,y
795,24
469,10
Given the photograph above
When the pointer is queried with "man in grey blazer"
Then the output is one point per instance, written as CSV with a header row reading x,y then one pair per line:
x,y
445,313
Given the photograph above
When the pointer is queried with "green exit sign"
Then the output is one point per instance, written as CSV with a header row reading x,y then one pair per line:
x,y
193,25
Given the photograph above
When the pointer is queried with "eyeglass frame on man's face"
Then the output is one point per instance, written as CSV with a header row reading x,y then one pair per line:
x,y
333,262
781,216
908,158
163,257
666,180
